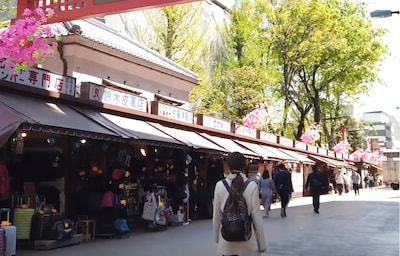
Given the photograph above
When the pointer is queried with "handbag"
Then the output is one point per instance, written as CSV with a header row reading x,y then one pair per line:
x,y
149,208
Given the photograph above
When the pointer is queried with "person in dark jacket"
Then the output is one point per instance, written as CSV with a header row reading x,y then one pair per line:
x,y
284,186
316,183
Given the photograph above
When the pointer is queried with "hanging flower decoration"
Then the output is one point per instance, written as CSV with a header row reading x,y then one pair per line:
x,y
357,155
257,118
25,43
341,147
368,157
311,135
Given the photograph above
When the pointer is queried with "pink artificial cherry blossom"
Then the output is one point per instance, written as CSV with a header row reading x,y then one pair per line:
x,y
257,118
310,135
25,43
341,147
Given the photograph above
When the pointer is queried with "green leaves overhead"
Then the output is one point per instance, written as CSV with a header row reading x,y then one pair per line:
x,y
307,59
323,48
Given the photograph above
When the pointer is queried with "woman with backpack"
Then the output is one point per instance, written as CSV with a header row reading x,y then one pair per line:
x,y
233,195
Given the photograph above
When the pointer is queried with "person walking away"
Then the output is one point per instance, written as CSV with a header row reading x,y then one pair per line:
x,y
267,188
236,180
366,179
340,181
284,186
371,181
356,179
315,182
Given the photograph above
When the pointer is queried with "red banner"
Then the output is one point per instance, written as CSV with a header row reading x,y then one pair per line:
x,y
82,9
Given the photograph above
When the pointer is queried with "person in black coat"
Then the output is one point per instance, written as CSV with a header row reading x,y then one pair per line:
x,y
316,183
284,186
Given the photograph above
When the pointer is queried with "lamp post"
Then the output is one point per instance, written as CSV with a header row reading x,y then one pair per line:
x,y
383,13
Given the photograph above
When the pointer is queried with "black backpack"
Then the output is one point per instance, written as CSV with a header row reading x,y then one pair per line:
x,y
236,223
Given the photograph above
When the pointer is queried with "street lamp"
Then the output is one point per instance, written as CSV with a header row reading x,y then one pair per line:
x,y
383,13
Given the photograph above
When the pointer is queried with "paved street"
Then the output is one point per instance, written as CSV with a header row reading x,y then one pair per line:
x,y
367,225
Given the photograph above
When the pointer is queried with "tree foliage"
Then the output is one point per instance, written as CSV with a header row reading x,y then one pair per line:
x,y
7,12
308,60
178,32
243,75
327,51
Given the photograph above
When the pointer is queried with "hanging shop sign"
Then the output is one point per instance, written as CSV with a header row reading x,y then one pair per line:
x,y
285,141
166,110
266,136
312,148
213,122
246,131
107,95
40,79
300,145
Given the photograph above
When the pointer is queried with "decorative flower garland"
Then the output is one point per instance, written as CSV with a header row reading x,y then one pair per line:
x,y
310,135
25,43
257,118
341,147
369,157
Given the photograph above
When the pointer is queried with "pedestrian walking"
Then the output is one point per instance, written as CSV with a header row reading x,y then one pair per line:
x,y
371,181
340,182
284,187
239,189
316,183
356,179
267,186
366,179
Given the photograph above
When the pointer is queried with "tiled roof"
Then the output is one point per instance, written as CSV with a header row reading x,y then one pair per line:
x,y
99,32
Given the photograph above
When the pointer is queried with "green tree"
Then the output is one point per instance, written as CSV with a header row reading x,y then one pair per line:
x,y
320,45
178,32
8,10
243,74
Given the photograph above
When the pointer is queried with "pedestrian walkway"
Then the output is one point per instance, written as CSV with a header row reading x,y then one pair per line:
x,y
349,225
365,195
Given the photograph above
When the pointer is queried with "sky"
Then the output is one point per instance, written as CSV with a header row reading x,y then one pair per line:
x,y
385,97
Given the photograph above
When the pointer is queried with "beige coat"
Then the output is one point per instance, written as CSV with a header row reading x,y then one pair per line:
x,y
257,240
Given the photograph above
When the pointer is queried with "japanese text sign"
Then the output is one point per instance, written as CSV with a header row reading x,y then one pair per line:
x,y
216,123
40,79
118,98
175,113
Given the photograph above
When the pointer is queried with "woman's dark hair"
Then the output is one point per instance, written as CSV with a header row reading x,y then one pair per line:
x,y
265,174
237,164
282,166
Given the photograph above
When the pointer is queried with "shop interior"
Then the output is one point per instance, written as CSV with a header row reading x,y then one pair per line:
x,y
89,179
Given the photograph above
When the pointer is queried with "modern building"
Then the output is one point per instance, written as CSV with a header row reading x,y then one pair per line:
x,y
385,129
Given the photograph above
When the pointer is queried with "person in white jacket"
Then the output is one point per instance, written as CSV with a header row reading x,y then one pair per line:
x,y
256,245
340,182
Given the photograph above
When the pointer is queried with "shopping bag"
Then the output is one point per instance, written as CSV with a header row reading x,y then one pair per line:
x,y
149,208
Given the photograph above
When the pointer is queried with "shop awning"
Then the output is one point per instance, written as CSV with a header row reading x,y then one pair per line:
x,y
300,157
280,154
190,138
328,161
258,149
45,116
230,145
131,128
9,122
